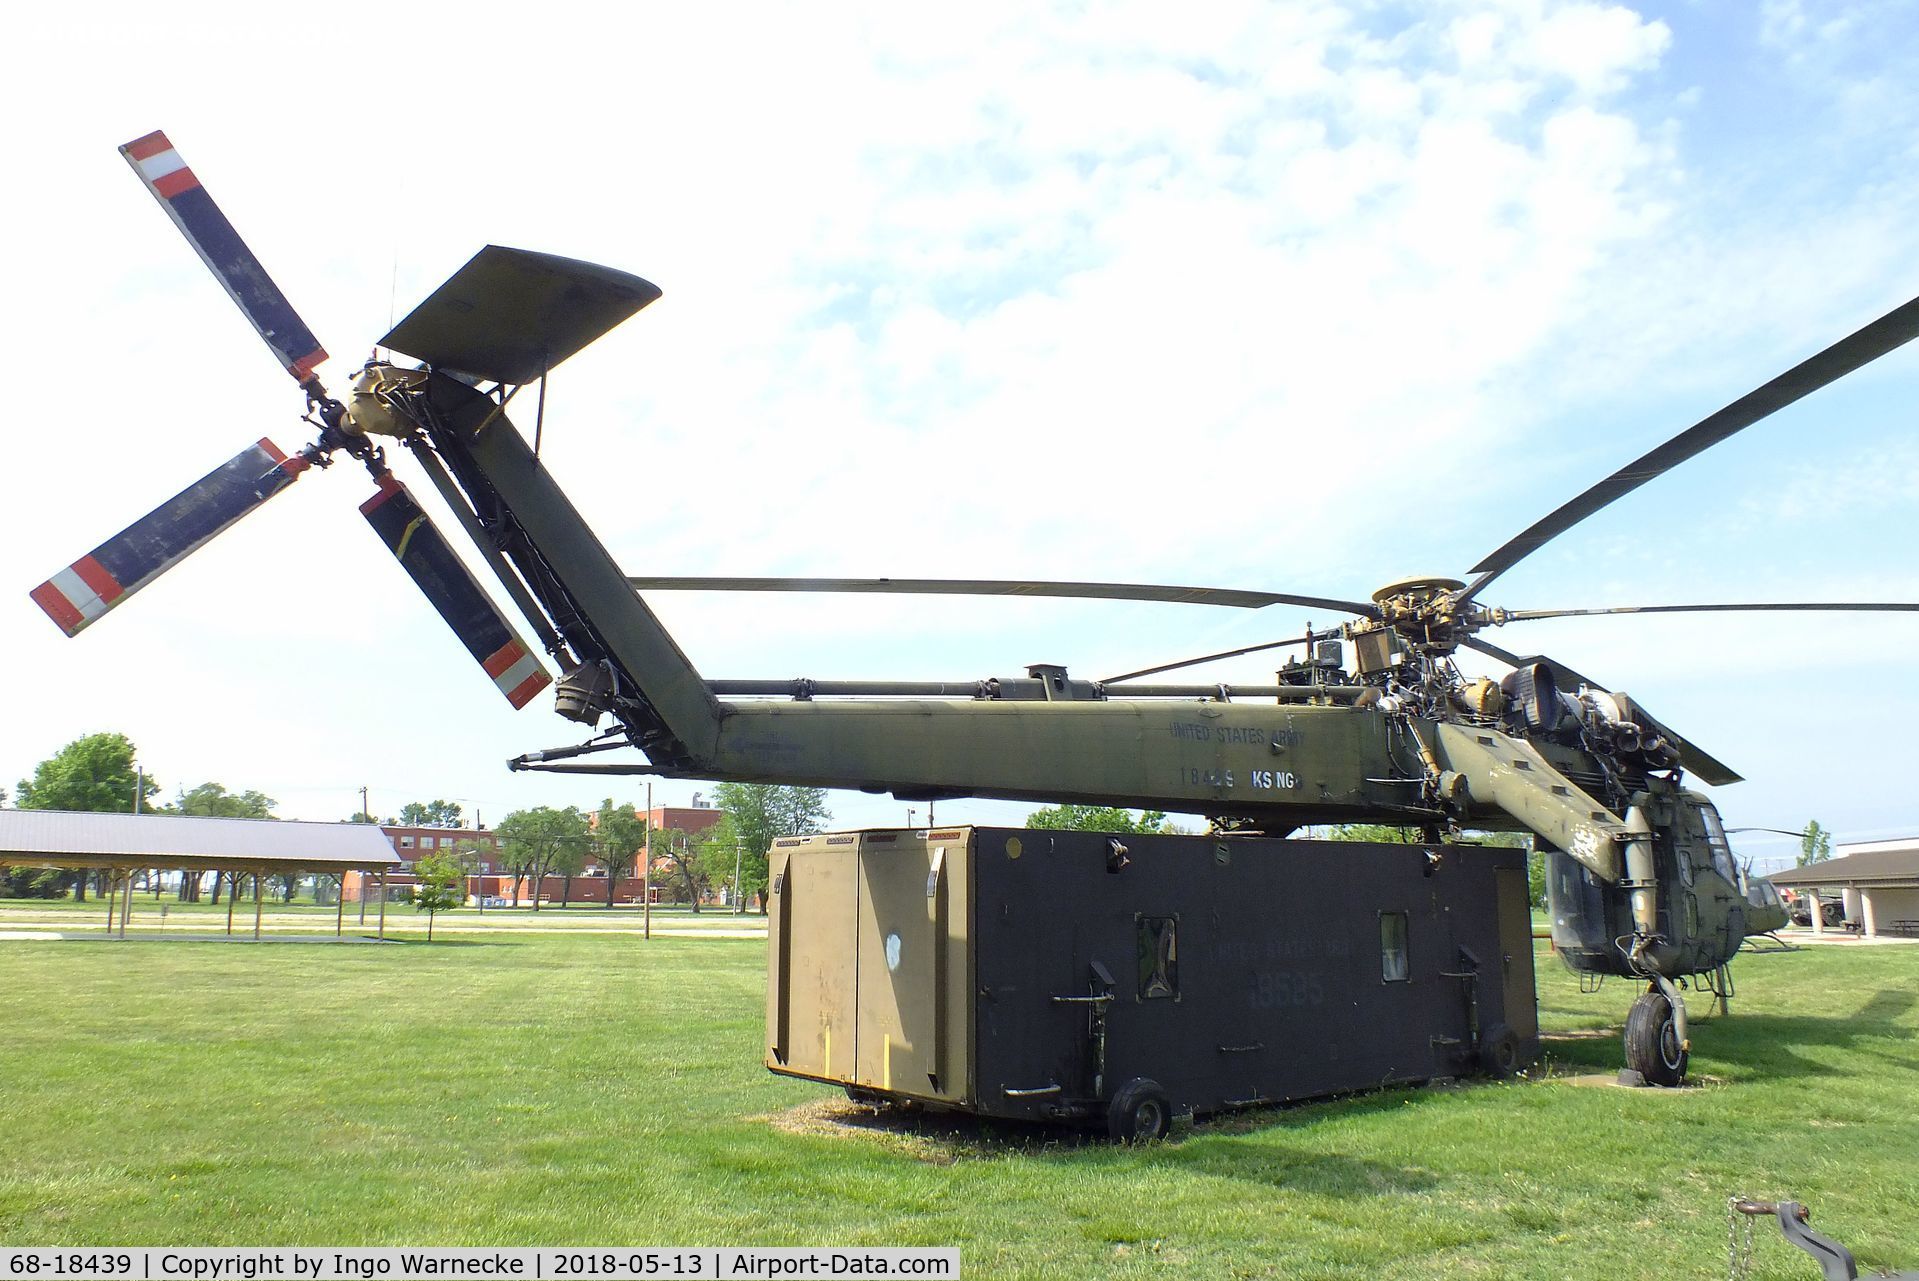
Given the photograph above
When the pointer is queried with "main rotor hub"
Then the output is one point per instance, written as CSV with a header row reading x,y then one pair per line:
x,y
1418,589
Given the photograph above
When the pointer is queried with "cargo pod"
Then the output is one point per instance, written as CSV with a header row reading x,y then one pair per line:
x,y
1081,977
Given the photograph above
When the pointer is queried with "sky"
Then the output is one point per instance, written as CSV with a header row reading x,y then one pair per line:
x,y
1304,296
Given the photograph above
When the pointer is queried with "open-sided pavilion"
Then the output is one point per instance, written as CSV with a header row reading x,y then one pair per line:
x,y
1878,882
122,844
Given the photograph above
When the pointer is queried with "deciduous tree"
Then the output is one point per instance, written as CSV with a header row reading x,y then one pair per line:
x,y
212,800
1815,843
678,849
430,814
618,835
442,886
95,774
1096,818
534,838
760,812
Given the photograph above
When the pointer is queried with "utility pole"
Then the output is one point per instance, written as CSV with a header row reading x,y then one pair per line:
x,y
646,876
139,785
364,818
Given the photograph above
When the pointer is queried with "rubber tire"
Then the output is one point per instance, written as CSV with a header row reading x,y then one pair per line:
x,y
1139,1112
1499,1052
1652,1042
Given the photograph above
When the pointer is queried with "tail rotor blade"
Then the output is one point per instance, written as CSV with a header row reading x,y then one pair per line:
x,y
179,192
81,593
445,581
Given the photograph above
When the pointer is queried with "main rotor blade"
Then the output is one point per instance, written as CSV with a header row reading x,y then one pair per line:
x,y
80,594
1703,764
1307,639
173,184
445,581
1795,607
1227,596
1892,330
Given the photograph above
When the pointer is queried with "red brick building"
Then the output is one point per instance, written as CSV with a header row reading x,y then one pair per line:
x,y
492,880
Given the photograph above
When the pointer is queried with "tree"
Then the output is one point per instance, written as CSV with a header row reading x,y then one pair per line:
x,y
1376,833
442,886
1096,818
759,812
357,817
618,835
430,814
95,774
719,855
677,848
211,800
568,861
1815,843
534,838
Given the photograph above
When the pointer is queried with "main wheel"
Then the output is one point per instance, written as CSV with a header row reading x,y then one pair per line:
x,y
1652,1041
1139,1111
1499,1051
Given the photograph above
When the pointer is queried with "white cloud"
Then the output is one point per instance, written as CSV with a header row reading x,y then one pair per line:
x,y
1275,295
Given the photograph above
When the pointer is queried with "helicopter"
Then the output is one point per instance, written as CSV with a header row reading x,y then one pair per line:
x,y
1374,723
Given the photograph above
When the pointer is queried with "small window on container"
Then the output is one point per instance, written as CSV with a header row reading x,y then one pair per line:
x,y
1395,964
1158,944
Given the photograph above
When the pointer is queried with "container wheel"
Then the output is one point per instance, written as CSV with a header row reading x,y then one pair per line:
x,y
1652,1041
1139,1111
1499,1051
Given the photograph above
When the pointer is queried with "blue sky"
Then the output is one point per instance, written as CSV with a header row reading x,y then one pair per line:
x,y
1303,296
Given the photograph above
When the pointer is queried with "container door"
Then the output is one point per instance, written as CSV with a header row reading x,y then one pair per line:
x,y
1516,952
812,997
906,907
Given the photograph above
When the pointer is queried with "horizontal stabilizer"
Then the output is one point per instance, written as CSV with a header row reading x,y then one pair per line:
x,y
79,594
510,315
427,557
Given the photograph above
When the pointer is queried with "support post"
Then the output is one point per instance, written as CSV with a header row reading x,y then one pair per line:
x,y
113,905
1868,916
259,885
126,903
233,892
1818,912
339,911
383,903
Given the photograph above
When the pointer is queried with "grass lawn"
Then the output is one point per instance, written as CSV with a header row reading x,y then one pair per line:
x,y
593,1089
165,916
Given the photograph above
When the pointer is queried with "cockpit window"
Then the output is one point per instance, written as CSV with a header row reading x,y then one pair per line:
x,y
1716,840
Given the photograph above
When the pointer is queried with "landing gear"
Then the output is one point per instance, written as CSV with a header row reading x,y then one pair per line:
x,y
1655,1048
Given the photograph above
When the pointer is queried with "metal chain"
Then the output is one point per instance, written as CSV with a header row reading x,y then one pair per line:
x,y
1738,1253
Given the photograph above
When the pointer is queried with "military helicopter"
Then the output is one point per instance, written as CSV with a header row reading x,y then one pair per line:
x,y
1641,878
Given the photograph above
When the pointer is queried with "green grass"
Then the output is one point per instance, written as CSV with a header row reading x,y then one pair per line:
x,y
151,915
595,1089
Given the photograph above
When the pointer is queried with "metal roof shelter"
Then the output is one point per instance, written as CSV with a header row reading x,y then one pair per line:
x,y
1879,881
120,844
